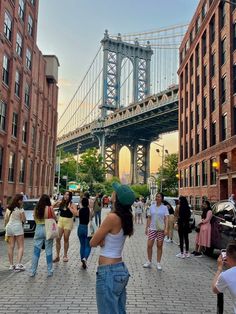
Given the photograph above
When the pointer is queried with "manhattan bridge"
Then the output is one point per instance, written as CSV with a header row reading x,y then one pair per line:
x,y
128,97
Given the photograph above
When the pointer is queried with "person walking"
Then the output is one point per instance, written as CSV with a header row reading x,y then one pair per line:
x,y
171,219
224,280
112,273
42,211
82,232
183,214
14,219
97,208
156,229
65,224
203,237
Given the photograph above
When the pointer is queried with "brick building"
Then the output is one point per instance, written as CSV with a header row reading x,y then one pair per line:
x,y
28,104
207,103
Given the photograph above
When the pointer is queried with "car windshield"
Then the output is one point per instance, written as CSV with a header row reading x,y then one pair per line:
x,y
75,199
29,205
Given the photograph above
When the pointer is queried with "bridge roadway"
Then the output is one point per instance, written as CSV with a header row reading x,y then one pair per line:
x,y
146,119
182,287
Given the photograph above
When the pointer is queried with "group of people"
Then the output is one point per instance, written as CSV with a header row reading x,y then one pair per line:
x,y
110,236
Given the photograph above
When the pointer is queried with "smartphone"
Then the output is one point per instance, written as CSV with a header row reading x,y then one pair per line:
x,y
223,254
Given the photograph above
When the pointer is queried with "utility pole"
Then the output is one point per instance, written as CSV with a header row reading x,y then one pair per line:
x,y
77,164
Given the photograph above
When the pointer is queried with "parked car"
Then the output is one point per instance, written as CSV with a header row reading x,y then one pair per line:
x,y
29,205
223,225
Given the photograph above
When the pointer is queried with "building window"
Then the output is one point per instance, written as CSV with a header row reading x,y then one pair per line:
x,y
6,68
224,127
33,136
21,9
1,161
186,150
186,177
204,75
28,57
204,10
19,45
234,35
222,14
191,66
197,85
213,133
181,153
198,24
213,99
223,89
197,143
204,172
181,129
191,147
212,30
204,139
234,78
22,170
197,114
32,2
181,81
204,46
186,100
234,113
14,124
24,132
181,179
191,92
186,74
197,174
181,105
7,26
213,172
204,107
17,84
223,51
191,120
191,170
31,173
186,125
213,63
27,95
30,25
197,56
11,167
3,112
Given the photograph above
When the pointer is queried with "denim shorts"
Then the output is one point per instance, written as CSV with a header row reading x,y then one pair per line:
x,y
111,288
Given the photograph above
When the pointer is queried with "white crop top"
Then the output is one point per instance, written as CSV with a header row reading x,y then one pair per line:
x,y
114,244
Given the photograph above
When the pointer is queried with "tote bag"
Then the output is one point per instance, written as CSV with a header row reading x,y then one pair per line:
x,y
51,228
91,228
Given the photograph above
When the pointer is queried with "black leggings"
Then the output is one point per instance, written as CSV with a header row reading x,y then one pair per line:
x,y
183,236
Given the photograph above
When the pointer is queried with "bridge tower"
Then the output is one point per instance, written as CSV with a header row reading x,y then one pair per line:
x,y
114,51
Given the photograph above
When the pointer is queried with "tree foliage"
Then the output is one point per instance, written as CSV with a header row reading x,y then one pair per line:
x,y
68,166
140,190
168,174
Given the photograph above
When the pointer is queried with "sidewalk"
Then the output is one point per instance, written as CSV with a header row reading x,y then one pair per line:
x,y
182,287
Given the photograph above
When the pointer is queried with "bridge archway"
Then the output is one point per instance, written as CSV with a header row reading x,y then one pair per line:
x,y
124,165
126,82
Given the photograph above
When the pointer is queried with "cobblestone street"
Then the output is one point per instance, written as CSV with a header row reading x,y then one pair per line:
x,y
183,286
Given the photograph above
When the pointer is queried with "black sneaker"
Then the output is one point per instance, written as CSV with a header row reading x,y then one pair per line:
x,y
198,254
84,265
193,252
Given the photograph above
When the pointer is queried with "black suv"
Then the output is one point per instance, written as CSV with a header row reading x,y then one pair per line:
x,y
223,225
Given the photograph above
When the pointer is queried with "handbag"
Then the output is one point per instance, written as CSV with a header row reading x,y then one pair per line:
x,y
51,228
91,229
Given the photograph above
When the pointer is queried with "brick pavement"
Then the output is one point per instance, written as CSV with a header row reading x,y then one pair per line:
x,y
184,286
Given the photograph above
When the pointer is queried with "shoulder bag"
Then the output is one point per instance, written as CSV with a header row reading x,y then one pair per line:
x,y
51,228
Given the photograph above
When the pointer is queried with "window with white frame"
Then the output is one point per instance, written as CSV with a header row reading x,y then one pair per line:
x,y
24,132
17,83
14,124
11,167
19,44
6,68
27,95
7,26
28,57
21,9
3,110
22,170
30,25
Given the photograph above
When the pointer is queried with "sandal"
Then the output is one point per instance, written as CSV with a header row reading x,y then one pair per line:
x,y
56,259
65,259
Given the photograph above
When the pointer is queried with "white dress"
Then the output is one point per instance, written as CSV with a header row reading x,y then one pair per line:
x,y
14,226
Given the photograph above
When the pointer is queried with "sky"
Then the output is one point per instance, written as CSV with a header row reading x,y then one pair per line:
x,y
73,29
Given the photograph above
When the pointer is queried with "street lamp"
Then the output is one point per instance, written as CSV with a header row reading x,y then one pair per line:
x,y
164,151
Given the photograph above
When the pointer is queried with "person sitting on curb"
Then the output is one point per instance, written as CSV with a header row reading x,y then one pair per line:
x,y
227,279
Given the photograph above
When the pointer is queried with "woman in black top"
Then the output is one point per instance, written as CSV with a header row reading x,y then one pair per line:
x,y
183,214
82,232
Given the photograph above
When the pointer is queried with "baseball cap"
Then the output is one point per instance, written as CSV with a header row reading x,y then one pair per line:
x,y
124,193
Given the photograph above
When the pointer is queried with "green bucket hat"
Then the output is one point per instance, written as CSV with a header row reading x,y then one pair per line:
x,y
124,193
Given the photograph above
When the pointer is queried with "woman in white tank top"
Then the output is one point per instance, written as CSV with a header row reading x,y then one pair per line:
x,y
112,274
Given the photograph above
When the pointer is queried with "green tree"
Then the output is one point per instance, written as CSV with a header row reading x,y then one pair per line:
x,y
140,190
168,175
91,167
68,166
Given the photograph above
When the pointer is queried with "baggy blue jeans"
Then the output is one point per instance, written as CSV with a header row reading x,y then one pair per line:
x,y
98,218
39,239
85,248
111,288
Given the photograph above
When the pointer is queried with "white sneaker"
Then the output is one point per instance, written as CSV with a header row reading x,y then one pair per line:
x,y
11,267
180,255
159,266
147,264
187,255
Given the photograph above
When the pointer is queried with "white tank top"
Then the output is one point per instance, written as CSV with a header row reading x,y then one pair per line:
x,y
114,244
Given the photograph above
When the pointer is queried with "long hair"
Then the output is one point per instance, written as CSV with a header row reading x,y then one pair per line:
x,y
15,202
205,210
126,216
65,203
184,209
40,207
